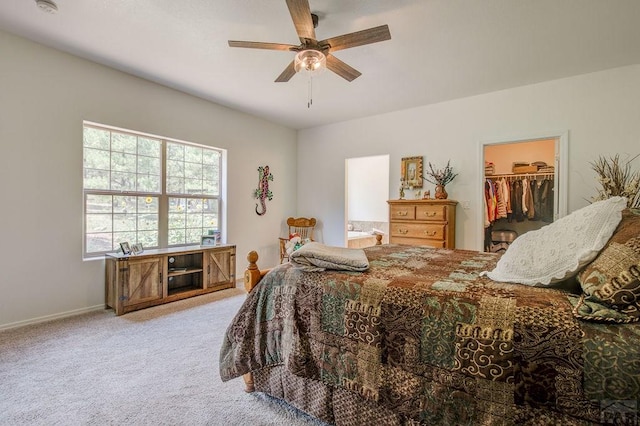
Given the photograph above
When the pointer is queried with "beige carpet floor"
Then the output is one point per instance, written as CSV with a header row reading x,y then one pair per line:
x,y
157,366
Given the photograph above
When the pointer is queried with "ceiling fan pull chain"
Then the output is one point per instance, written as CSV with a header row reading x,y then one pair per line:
x,y
310,87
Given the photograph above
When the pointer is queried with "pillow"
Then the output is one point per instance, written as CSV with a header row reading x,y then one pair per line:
x,y
611,283
592,311
557,251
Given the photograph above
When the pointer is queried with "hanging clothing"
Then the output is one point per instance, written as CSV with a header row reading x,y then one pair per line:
x,y
504,198
535,192
487,222
501,202
516,201
525,189
546,201
528,199
490,196
506,189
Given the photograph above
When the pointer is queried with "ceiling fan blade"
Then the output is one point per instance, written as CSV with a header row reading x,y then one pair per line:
x,y
342,69
260,45
286,75
301,16
359,38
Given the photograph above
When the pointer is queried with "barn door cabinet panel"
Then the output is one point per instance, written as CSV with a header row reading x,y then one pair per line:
x,y
220,267
423,222
142,281
165,275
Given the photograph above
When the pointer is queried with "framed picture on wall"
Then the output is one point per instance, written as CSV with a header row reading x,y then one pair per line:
x,y
411,172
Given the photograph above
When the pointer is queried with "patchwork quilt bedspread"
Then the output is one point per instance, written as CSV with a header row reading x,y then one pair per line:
x,y
423,334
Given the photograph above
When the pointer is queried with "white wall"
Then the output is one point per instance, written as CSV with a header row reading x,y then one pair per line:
x,y
600,111
44,97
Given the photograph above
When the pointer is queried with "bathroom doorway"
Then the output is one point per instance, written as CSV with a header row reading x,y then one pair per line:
x,y
366,208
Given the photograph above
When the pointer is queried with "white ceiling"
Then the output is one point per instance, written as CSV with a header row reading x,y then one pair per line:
x,y
439,49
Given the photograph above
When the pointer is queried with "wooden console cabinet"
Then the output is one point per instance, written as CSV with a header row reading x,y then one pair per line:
x,y
423,222
165,275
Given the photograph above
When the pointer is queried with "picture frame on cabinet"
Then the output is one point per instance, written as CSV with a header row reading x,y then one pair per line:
x,y
208,240
411,172
137,248
126,249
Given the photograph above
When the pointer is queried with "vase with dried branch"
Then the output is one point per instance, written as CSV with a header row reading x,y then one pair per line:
x,y
616,178
440,178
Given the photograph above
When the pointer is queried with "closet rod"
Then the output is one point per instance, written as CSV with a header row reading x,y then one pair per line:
x,y
521,175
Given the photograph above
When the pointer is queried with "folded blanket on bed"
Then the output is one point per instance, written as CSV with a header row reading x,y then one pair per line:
x,y
315,256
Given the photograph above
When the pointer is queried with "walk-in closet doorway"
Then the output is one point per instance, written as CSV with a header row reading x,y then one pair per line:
x,y
550,148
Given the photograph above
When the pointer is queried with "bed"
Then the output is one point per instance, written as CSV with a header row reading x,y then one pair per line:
x,y
427,336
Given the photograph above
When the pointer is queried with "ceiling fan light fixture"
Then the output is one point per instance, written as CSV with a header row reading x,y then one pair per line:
x,y
311,61
47,6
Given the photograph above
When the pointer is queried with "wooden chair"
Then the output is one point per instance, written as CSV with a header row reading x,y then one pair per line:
x,y
302,226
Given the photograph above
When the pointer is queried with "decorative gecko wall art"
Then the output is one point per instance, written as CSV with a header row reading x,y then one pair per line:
x,y
263,193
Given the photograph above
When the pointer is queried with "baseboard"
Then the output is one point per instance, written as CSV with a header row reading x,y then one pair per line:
x,y
52,317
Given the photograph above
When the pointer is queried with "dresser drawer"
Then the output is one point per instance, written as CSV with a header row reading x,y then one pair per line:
x,y
403,212
418,230
418,242
431,212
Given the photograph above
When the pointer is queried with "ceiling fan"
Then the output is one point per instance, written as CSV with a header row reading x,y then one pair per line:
x,y
313,54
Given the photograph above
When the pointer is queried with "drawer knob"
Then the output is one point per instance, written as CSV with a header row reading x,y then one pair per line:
x,y
430,233
404,213
430,214
403,231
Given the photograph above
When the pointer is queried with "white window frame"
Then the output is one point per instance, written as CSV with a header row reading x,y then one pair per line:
x,y
162,196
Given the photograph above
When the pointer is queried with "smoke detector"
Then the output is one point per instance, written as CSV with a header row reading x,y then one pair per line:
x,y
47,6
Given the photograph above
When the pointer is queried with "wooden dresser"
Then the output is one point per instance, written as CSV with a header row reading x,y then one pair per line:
x,y
423,222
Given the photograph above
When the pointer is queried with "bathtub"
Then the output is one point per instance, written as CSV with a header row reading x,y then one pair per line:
x,y
352,235
359,239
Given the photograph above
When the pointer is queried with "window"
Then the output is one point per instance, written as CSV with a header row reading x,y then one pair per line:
x,y
146,189
193,185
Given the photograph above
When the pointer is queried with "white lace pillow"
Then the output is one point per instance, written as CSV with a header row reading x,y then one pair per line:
x,y
558,251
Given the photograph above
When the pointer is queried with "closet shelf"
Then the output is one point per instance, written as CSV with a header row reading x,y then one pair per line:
x,y
521,175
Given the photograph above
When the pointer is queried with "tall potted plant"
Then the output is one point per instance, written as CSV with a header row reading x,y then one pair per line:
x,y
617,179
